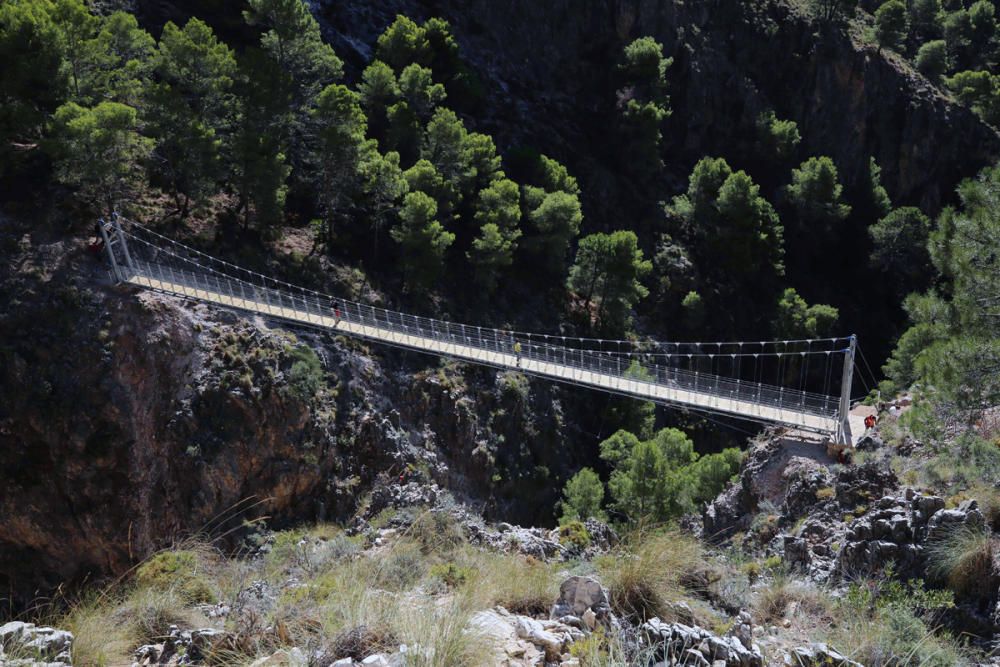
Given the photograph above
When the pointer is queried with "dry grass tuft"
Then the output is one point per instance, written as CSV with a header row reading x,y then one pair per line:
x,y
963,558
649,571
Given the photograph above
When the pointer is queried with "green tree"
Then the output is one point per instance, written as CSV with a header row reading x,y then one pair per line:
x,y
556,222
33,81
484,163
190,108
797,319
958,37
608,272
445,147
873,202
734,228
125,60
900,246
498,214
425,177
78,29
890,24
417,87
384,186
260,166
378,90
980,91
643,101
423,241
281,95
663,477
291,37
99,151
583,496
342,151
982,17
816,194
925,19
777,138
403,43
932,59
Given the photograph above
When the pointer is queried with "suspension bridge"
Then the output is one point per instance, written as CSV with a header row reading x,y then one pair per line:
x,y
760,381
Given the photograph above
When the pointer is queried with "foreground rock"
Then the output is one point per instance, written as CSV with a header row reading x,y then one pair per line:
x,y
27,644
679,644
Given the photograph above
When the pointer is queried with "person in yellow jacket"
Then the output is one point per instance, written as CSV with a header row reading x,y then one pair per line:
x,y
517,352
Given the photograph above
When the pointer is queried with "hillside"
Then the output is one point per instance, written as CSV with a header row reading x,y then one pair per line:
x,y
219,487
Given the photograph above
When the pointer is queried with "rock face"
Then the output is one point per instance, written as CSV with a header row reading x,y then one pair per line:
x,y
130,419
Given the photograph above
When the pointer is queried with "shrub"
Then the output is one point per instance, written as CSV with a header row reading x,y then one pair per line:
x,y
884,622
451,574
574,533
305,377
826,493
436,531
176,570
401,568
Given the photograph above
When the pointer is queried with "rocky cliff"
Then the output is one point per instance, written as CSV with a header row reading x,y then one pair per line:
x,y
130,420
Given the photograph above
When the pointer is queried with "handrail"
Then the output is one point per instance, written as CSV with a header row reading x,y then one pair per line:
x,y
151,260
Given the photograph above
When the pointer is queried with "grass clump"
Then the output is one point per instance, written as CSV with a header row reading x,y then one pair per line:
x,y
963,557
181,571
647,573
774,601
522,585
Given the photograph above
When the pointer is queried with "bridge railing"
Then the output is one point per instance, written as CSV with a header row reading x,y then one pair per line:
x,y
169,263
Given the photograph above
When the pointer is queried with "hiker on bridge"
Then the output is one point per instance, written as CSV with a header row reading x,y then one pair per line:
x,y
870,422
336,310
517,352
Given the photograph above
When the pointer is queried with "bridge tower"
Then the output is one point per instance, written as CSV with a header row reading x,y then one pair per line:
x,y
111,234
844,437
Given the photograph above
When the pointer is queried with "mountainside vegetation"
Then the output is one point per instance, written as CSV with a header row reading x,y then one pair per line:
x,y
674,171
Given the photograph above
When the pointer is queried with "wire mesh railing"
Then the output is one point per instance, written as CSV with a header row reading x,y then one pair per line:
x,y
169,266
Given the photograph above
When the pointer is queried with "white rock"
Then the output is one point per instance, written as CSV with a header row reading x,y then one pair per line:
x,y
377,660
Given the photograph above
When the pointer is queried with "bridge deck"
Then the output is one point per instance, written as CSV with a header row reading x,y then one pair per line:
x,y
660,393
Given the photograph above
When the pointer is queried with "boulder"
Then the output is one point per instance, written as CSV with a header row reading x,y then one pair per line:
x,y
577,595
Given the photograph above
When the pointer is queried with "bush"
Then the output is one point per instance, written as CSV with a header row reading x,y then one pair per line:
x,y
884,622
932,59
177,571
451,574
574,533
305,377
401,568
436,531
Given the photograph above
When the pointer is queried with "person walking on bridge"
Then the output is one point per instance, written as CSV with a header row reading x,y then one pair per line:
x,y
517,352
336,311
